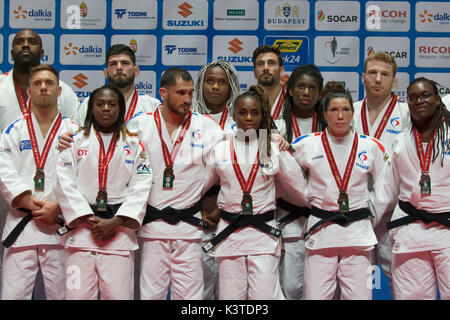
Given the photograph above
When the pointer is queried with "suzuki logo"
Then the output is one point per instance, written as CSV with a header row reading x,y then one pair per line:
x,y
79,80
185,9
235,45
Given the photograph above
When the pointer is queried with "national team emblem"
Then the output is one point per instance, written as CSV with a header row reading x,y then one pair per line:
x,y
127,149
395,122
196,134
362,156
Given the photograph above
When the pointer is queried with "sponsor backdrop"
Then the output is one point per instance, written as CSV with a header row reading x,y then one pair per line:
x,y
335,35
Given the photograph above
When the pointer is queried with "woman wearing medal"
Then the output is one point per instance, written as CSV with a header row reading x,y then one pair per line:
x,y
419,180
339,234
103,182
247,165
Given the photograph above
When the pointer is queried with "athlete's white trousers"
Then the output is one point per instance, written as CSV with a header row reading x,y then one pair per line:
x,y
416,275
291,268
325,267
88,272
252,277
174,263
21,265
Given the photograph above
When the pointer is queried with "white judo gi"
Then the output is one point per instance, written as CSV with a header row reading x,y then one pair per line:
x,y
334,251
37,246
293,260
420,252
91,263
249,258
9,105
144,104
172,254
397,122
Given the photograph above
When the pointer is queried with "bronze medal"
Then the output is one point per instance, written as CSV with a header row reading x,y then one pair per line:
x,y
168,178
102,200
343,202
39,180
425,183
247,203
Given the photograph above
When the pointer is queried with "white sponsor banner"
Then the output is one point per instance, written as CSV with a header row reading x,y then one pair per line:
x,y
336,51
83,14
2,13
432,52
433,16
144,47
182,15
397,47
1,49
350,80
236,15
48,45
237,50
82,49
83,82
184,50
145,83
388,16
337,15
36,14
286,15
443,79
136,14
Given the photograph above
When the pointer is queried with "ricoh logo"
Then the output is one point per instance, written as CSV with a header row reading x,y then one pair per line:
x,y
235,45
185,10
80,81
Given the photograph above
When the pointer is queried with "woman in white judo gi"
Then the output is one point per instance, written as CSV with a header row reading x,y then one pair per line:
x,y
419,180
339,234
247,242
105,212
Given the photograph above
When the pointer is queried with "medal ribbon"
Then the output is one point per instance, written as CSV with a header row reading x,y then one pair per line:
x,y
103,161
169,157
246,186
40,159
223,117
341,183
21,99
424,159
277,110
296,128
383,121
132,107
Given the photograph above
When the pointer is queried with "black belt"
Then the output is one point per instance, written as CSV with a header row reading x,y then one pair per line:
x,y
240,221
173,216
295,212
334,216
111,210
415,214
12,237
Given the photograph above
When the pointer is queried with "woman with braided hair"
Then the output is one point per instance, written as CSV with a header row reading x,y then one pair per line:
x,y
419,180
247,165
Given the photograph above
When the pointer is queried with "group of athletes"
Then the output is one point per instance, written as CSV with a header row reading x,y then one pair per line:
x,y
288,191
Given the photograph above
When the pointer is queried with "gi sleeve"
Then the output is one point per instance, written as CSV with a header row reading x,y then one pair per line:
x,y
139,185
11,183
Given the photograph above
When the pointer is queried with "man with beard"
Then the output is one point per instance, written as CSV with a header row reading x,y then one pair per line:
x,y
120,71
268,69
27,52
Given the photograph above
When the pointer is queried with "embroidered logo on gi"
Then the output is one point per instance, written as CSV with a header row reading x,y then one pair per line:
x,y
395,124
24,145
143,169
197,137
447,147
362,158
127,150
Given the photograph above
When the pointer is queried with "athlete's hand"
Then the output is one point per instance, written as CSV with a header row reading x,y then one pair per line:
x,y
47,214
104,228
211,217
65,141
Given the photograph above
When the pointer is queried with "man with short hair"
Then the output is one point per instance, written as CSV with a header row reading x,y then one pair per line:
x,y
178,142
27,53
121,71
382,116
28,157
268,70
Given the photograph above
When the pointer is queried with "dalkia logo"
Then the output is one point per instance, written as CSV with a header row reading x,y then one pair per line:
x,y
235,45
185,10
70,49
20,13
425,16
288,45
80,80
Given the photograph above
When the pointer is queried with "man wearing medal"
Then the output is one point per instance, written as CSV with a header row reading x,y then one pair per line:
x,y
381,115
26,51
177,141
28,156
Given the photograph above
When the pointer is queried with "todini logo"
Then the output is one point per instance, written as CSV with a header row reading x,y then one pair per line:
x,y
235,45
185,10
